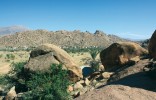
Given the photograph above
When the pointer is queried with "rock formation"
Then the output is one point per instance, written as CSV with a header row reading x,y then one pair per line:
x,y
11,94
119,54
43,56
152,45
118,92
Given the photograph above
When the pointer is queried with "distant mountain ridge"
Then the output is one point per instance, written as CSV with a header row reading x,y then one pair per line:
x,y
12,29
61,38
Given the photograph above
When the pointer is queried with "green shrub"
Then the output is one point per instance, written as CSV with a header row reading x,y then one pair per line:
x,y
14,77
94,65
10,56
3,80
79,49
18,77
93,54
1,55
11,49
51,85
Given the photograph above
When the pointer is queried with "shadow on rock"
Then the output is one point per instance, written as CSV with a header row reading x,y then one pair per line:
x,y
138,80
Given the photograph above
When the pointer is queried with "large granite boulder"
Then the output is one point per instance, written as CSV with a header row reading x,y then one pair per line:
x,y
118,92
120,54
43,56
152,45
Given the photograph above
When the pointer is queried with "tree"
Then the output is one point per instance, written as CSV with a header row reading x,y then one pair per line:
x,y
94,64
50,85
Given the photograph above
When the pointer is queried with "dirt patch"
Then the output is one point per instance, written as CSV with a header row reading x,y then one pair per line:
x,y
4,68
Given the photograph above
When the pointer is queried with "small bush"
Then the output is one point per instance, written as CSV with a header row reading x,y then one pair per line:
x,y
3,80
1,55
93,54
94,65
18,77
10,56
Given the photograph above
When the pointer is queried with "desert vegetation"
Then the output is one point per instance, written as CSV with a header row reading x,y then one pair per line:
x,y
84,49
14,49
30,84
94,63
50,85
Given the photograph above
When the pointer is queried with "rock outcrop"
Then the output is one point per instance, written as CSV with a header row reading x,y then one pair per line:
x,y
131,70
106,75
118,92
11,94
120,54
152,45
43,56
134,76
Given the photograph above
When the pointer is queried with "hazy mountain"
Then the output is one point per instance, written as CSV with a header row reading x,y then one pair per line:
x,y
61,38
12,29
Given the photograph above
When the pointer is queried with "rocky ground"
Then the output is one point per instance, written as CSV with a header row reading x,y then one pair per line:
x,y
133,81
125,76
128,83
118,92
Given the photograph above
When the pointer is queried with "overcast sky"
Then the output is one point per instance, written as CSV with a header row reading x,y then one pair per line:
x,y
135,19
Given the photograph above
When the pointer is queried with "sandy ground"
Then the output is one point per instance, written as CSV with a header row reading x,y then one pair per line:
x,y
4,68
5,63
82,58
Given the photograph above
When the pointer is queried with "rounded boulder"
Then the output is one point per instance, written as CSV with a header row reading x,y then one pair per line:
x,y
120,54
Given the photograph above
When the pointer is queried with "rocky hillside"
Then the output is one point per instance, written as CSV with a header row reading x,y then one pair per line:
x,y
61,38
133,81
11,30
